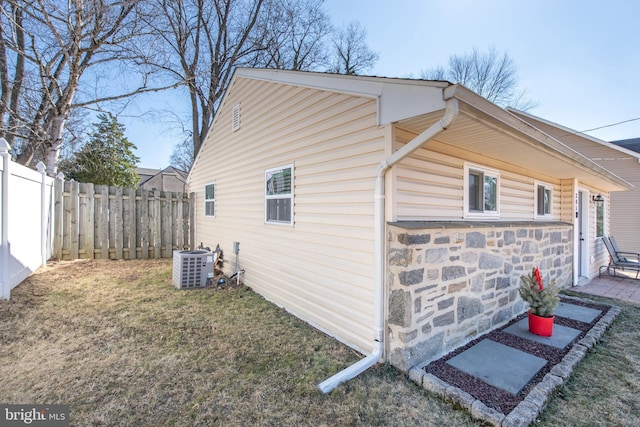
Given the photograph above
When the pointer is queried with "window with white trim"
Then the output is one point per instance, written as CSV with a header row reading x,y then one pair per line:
x,y
543,199
210,200
278,195
482,191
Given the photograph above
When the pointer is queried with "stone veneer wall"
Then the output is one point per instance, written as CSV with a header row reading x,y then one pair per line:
x,y
448,283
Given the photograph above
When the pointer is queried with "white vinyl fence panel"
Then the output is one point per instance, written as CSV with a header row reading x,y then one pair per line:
x,y
25,209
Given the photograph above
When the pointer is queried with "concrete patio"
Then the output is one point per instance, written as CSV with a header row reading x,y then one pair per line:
x,y
620,288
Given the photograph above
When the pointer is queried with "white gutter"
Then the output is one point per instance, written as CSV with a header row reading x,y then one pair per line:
x,y
354,370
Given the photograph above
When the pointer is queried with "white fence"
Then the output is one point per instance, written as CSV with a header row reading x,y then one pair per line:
x,y
25,229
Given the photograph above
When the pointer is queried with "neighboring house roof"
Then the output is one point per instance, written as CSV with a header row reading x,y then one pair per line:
x,y
630,144
147,174
625,150
182,174
481,127
621,159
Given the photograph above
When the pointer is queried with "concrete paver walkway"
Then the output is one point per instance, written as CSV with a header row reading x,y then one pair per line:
x,y
492,363
511,370
501,366
561,338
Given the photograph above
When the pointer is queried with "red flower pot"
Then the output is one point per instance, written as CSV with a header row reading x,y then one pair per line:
x,y
539,325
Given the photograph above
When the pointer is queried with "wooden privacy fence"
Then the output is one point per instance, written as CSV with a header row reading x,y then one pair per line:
x,y
99,221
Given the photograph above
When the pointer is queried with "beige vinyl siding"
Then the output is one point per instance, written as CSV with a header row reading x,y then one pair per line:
x,y
518,201
625,205
567,201
321,268
429,185
624,222
517,196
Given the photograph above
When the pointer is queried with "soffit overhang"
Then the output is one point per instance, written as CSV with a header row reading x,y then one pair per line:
x,y
485,129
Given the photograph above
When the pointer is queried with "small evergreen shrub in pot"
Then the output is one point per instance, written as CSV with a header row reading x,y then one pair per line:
x,y
542,300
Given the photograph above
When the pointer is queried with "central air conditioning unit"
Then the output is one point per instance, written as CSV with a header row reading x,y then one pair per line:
x,y
192,269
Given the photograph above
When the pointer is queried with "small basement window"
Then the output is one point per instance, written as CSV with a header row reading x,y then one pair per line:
x,y
544,199
482,188
210,200
278,194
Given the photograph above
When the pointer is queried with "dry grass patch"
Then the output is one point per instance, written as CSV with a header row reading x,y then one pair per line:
x,y
121,346
604,390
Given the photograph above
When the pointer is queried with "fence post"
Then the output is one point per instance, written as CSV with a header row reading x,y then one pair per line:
x,y
42,168
132,223
144,223
4,220
167,224
156,228
58,216
89,221
192,220
73,221
118,222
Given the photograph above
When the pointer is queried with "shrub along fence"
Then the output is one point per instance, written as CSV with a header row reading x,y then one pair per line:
x,y
99,221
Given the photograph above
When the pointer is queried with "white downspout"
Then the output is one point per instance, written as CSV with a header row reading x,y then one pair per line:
x,y
451,112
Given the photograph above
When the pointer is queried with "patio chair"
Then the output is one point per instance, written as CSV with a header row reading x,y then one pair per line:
x,y
618,262
625,256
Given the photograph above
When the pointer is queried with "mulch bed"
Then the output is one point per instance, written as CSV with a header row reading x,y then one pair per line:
x,y
494,397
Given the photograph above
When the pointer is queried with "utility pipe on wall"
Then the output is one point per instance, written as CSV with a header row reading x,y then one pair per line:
x,y
451,112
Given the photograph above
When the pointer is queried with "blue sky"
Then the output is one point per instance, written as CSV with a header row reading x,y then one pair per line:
x,y
579,59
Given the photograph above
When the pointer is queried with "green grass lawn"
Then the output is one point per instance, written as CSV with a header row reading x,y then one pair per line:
x,y
120,345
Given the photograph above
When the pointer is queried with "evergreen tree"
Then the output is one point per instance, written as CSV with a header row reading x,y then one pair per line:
x,y
107,158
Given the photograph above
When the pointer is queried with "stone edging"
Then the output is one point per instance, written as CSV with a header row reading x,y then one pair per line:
x,y
528,410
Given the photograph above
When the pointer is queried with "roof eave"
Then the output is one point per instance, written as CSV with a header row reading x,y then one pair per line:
x,y
576,133
471,101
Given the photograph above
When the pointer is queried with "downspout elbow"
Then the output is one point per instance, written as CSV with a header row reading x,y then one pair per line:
x,y
450,113
352,371
382,168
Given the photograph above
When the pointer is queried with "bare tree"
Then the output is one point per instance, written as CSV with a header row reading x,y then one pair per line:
x,y
203,41
491,74
67,45
182,155
11,83
351,53
291,35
